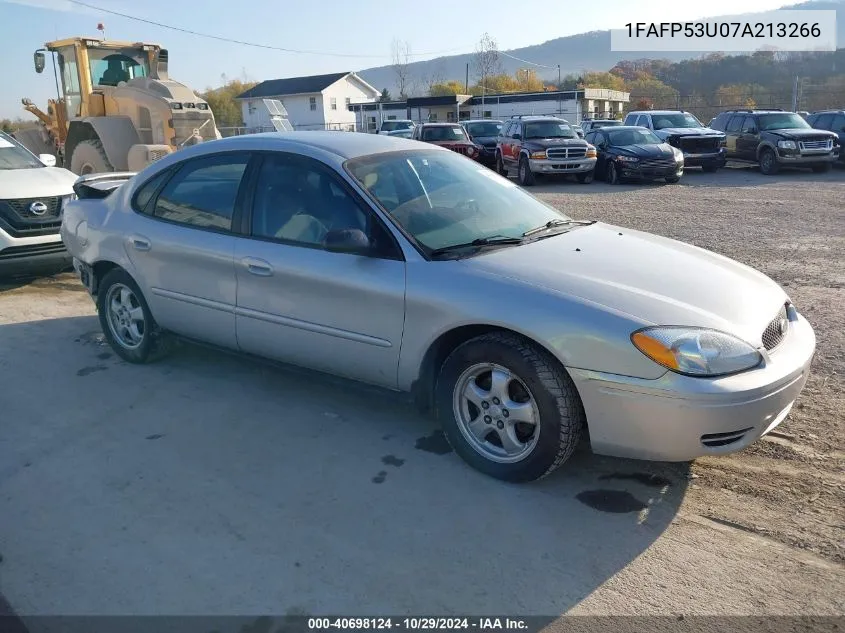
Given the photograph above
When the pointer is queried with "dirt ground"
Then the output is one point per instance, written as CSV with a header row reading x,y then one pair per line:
x,y
791,485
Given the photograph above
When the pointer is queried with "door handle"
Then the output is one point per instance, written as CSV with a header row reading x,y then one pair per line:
x,y
140,243
257,267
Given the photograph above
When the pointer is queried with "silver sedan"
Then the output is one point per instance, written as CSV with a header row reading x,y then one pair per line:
x,y
414,268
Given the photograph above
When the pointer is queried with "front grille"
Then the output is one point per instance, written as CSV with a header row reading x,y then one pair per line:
x,y
16,252
559,153
18,220
184,124
715,440
826,145
658,163
776,330
698,144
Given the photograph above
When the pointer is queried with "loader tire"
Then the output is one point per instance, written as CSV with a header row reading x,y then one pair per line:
x,y
89,157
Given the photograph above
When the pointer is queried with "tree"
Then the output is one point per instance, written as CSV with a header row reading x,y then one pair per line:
x,y
227,111
486,60
401,53
445,88
602,80
527,80
654,91
13,125
385,95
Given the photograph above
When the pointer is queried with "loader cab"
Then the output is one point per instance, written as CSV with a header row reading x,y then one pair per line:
x,y
84,65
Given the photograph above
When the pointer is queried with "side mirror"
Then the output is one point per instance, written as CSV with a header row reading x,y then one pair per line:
x,y
39,59
517,137
47,159
352,241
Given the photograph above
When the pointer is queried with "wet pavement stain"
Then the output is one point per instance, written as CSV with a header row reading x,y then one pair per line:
x,y
379,479
435,443
155,436
104,356
615,501
392,460
655,481
87,371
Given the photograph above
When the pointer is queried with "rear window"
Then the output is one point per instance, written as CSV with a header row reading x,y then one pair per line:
x,y
444,133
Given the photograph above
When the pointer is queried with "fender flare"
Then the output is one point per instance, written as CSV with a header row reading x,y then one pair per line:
x,y
116,133
766,145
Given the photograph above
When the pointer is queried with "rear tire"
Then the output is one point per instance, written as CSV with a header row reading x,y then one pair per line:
x,y
587,177
768,162
525,175
89,157
126,320
535,387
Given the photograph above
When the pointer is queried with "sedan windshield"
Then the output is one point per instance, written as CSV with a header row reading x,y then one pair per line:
x,y
12,156
549,129
621,138
681,119
785,121
444,133
442,199
486,128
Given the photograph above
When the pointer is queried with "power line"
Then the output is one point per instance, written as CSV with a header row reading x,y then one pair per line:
x,y
524,61
243,42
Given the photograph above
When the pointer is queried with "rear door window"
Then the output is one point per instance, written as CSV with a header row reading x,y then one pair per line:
x,y
735,124
824,122
203,192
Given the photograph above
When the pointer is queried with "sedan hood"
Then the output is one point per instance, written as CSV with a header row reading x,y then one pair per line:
x,y
653,279
661,150
35,182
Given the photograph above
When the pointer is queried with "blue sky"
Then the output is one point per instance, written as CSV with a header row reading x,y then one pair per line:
x,y
364,28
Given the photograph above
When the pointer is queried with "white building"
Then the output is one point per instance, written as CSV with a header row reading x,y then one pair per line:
x,y
318,102
573,105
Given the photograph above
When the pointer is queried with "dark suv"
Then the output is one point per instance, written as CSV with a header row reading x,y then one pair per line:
x,y
775,139
832,121
543,145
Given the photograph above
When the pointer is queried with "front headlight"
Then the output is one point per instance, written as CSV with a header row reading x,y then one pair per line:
x,y
540,155
679,155
628,159
591,151
787,145
696,351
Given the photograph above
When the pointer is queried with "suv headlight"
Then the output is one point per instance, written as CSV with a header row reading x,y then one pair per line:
x,y
540,154
628,159
679,155
696,351
787,145
591,151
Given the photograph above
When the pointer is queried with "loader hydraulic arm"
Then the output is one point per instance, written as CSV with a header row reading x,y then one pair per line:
x,y
34,109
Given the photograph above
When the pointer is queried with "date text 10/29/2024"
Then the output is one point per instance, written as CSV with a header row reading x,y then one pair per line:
x,y
418,624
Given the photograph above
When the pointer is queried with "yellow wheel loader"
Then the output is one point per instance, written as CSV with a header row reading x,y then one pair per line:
x,y
116,107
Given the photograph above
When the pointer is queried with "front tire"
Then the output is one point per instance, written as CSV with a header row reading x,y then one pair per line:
x,y
525,175
768,162
612,176
508,408
126,320
500,165
89,157
586,178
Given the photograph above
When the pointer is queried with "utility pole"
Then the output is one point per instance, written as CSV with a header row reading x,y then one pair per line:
x,y
795,95
559,88
466,85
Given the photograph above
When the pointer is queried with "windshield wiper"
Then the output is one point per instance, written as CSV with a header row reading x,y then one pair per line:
x,y
495,240
555,223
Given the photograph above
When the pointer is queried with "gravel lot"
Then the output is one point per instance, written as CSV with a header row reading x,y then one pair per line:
x,y
208,483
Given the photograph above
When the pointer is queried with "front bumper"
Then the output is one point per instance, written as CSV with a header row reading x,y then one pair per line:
x,y
679,418
708,159
807,159
32,255
487,156
566,166
632,172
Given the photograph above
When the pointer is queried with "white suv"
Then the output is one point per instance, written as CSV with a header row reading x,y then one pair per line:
x,y
32,195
